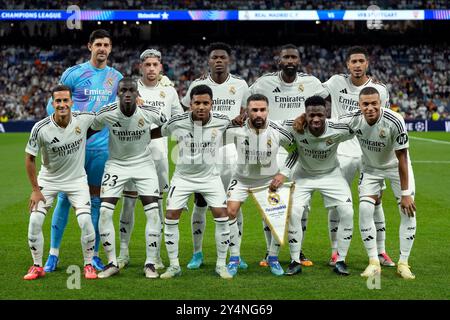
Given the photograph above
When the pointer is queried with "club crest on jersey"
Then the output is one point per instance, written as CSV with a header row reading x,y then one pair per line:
x,y
77,130
269,143
301,88
214,134
228,194
141,122
232,90
329,142
162,94
382,133
110,82
273,198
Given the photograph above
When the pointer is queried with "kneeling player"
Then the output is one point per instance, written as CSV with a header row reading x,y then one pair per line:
x,y
61,138
129,160
318,169
257,144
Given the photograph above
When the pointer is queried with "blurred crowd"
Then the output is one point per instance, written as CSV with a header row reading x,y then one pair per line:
x,y
225,4
418,78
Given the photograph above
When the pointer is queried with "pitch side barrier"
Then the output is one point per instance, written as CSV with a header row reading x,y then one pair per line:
x,y
74,12
411,125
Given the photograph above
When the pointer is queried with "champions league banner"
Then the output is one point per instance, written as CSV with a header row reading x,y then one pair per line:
x,y
275,208
222,15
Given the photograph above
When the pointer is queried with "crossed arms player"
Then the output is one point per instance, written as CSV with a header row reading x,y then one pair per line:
x,y
61,139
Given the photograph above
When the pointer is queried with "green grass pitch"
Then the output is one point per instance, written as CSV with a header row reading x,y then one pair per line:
x,y
430,259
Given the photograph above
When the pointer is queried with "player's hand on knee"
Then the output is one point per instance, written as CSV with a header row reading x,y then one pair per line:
x,y
35,197
408,206
300,123
277,182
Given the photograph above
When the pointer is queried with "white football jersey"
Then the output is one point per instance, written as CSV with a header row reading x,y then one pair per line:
x,y
318,155
257,153
286,100
161,97
129,137
228,97
62,149
197,144
345,99
380,140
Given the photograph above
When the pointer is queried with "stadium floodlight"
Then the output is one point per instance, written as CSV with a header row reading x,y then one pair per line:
x,y
99,22
124,22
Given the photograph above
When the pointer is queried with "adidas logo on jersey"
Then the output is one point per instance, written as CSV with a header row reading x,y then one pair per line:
x,y
349,200
153,245
304,141
343,91
117,125
359,132
276,90
55,140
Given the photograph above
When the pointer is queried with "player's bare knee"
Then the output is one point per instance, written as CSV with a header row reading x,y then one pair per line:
x,y
219,212
148,199
173,214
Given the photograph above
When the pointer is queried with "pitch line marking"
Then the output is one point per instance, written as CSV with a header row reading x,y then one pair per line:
x,y
431,161
430,140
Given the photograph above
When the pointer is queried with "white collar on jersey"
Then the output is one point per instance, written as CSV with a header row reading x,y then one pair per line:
x,y
57,125
286,83
211,79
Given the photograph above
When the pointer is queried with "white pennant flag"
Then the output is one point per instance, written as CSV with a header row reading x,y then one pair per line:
x,y
275,208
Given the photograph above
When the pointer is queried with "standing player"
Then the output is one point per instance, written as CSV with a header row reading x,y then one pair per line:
x,y
61,138
287,91
382,135
229,98
157,93
129,160
318,169
198,134
93,84
343,90
257,143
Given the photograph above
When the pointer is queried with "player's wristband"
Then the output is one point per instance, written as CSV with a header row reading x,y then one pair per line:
x,y
406,193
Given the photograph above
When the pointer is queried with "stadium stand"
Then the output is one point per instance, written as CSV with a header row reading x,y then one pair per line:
x,y
418,78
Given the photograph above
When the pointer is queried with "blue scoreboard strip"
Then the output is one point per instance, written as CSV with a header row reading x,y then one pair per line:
x,y
222,15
